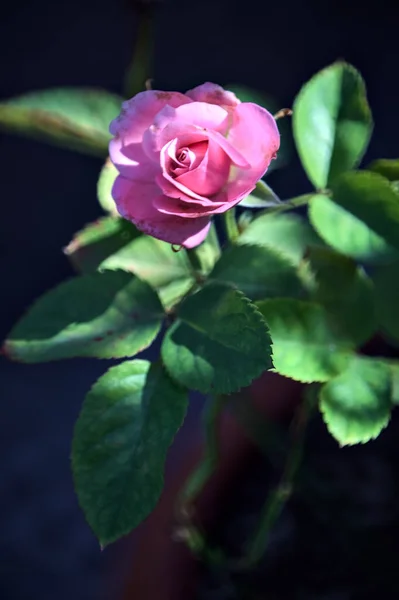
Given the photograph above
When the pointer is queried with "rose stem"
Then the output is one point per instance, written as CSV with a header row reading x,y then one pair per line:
x,y
230,225
197,480
278,498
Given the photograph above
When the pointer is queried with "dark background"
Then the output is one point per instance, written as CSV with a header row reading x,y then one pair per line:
x,y
46,549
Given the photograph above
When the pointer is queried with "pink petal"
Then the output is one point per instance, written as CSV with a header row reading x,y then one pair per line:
x,y
214,94
254,134
169,190
194,155
193,123
136,116
236,157
138,113
186,135
190,210
171,180
202,114
135,202
211,174
155,139
131,161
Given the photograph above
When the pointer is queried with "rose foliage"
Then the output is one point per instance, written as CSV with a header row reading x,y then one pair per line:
x,y
195,251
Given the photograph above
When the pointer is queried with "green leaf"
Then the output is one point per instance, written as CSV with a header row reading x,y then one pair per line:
x,y
71,117
246,94
356,405
258,271
262,197
127,423
289,234
332,123
219,343
106,315
105,182
386,290
98,240
155,262
307,345
370,198
346,233
388,168
345,291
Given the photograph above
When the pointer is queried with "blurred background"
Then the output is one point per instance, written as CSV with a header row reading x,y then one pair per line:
x,y
47,194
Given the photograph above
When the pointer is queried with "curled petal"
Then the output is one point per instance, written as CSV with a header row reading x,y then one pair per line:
x,y
189,210
135,202
191,123
138,113
154,139
210,175
171,191
172,180
214,94
236,157
179,160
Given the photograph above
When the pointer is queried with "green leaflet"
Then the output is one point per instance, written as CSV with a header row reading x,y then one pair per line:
x,y
219,343
332,123
127,423
105,315
76,118
356,405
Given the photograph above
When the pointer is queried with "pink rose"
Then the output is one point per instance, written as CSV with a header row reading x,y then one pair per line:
x,y
185,157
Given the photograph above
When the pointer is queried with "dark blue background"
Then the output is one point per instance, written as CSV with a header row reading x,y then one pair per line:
x,y
46,549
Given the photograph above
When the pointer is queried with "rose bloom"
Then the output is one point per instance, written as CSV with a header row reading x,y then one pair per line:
x,y
185,157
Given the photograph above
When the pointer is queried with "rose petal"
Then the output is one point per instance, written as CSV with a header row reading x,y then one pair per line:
x,y
165,162
171,123
169,190
190,210
214,94
254,134
202,114
135,202
210,175
194,155
154,141
138,113
131,161
136,116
